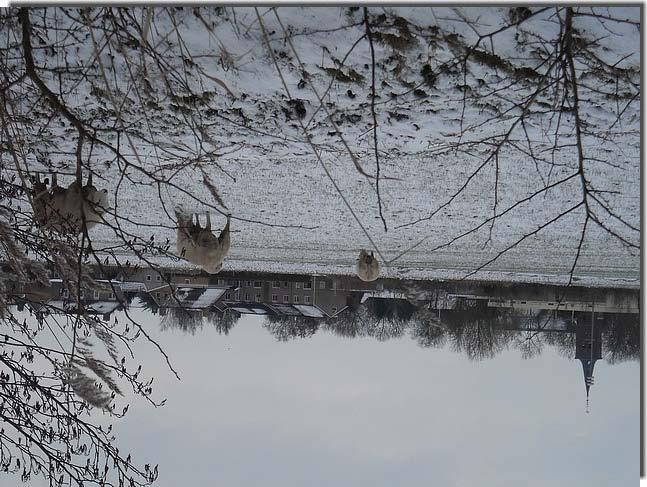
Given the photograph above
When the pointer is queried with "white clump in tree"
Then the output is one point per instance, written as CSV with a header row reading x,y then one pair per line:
x,y
367,267
199,245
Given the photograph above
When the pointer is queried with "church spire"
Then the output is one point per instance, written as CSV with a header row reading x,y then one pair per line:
x,y
588,342
587,368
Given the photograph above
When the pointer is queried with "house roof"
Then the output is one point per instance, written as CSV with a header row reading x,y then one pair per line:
x,y
332,315
384,294
133,286
310,311
178,285
198,298
251,308
286,309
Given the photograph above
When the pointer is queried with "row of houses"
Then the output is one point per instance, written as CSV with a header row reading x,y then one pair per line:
x,y
313,296
256,297
316,295
327,294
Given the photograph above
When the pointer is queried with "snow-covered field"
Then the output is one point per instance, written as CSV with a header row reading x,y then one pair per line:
x,y
267,174
296,192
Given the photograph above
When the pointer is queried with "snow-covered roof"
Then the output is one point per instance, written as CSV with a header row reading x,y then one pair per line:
x,y
298,310
250,309
286,309
310,311
133,286
199,298
386,294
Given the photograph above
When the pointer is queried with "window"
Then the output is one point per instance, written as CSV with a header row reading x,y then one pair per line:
x,y
258,298
306,299
237,296
221,282
148,278
275,298
276,284
334,309
296,299
228,296
248,283
187,281
96,294
307,285
286,298
158,278
258,284
322,284
297,285
285,283
246,296
112,295
157,295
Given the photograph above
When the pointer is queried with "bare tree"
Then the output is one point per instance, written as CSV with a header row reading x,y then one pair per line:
x,y
349,323
223,321
428,330
285,328
188,321
476,332
387,318
621,338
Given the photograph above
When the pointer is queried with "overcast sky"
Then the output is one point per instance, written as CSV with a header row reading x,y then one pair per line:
x,y
328,411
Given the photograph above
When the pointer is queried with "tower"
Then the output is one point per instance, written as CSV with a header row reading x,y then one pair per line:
x,y
588,343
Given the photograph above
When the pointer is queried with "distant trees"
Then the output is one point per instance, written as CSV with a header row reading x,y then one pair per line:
x,y
387,318
223,321
621,338
285,328
186,320
191,321
428,330
349,323
481,332
475,332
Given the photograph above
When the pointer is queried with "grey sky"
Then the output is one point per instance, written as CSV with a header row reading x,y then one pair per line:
x,y
330,411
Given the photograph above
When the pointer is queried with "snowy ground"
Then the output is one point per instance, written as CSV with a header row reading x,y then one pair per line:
x,y
265,171
296,192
